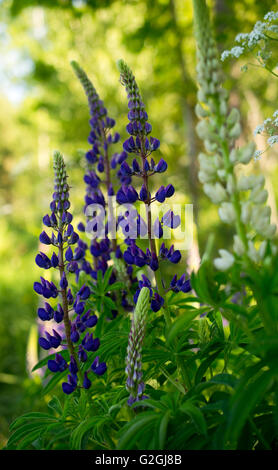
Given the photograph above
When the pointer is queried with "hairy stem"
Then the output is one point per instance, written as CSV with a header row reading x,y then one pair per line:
x,y
157,273
65,306
108,183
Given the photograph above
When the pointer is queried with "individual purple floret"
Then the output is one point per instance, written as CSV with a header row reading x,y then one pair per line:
x,y
99,368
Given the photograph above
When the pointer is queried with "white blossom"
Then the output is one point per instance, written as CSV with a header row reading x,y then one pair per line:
x,y
271,16
259,129
234,52
258,154
225,261
272,140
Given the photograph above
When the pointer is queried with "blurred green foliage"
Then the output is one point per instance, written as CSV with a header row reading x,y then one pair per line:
x,y
38,40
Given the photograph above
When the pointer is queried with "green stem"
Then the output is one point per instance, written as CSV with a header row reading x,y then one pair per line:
x,y
160,289
265,312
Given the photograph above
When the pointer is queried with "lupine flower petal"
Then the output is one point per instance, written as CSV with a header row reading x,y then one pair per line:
x,y
44,238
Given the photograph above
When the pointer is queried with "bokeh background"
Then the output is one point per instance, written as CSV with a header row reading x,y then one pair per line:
x,y
42,108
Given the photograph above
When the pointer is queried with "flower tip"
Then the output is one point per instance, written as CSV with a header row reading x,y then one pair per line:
x,y
74,64
120,64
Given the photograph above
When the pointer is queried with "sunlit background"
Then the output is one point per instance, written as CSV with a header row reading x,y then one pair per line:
x,y
42,108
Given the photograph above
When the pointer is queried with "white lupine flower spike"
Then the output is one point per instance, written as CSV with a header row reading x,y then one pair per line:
x,y
242,198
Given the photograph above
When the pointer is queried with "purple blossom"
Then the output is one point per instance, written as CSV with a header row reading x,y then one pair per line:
x,y
100,162
61,237
143,145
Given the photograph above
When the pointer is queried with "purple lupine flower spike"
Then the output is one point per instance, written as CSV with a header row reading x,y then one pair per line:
x,y
99,166
143,145
63,238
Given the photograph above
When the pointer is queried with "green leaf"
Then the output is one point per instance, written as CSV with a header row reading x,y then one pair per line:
x,y
219,322
245,399
134,427
175,300
25,434
224,379
162,433
100,280
32,415
173,381
196,415
115,286
31,437
55,405
199,282
106,277
109,302
182,324
151,403
59,433
79,433
205,365
54,381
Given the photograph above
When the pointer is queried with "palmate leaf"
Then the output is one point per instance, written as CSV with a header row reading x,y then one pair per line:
x,y
112,343
55,405
20,433
179,300
115,286
114,409
33,415
219,380
179,433
238,315
141,424
26,432
109,303
100,280
247,395
60,433
79,433
106,278
204,285
30,438
153,370
206,364
196,415
162,431
102,286
150,403
180,325
150,355
173,380
224,379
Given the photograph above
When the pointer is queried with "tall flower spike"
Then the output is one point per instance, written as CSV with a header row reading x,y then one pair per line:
x,y
142,146
62,238
219,128
134,383
100,163
98,157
